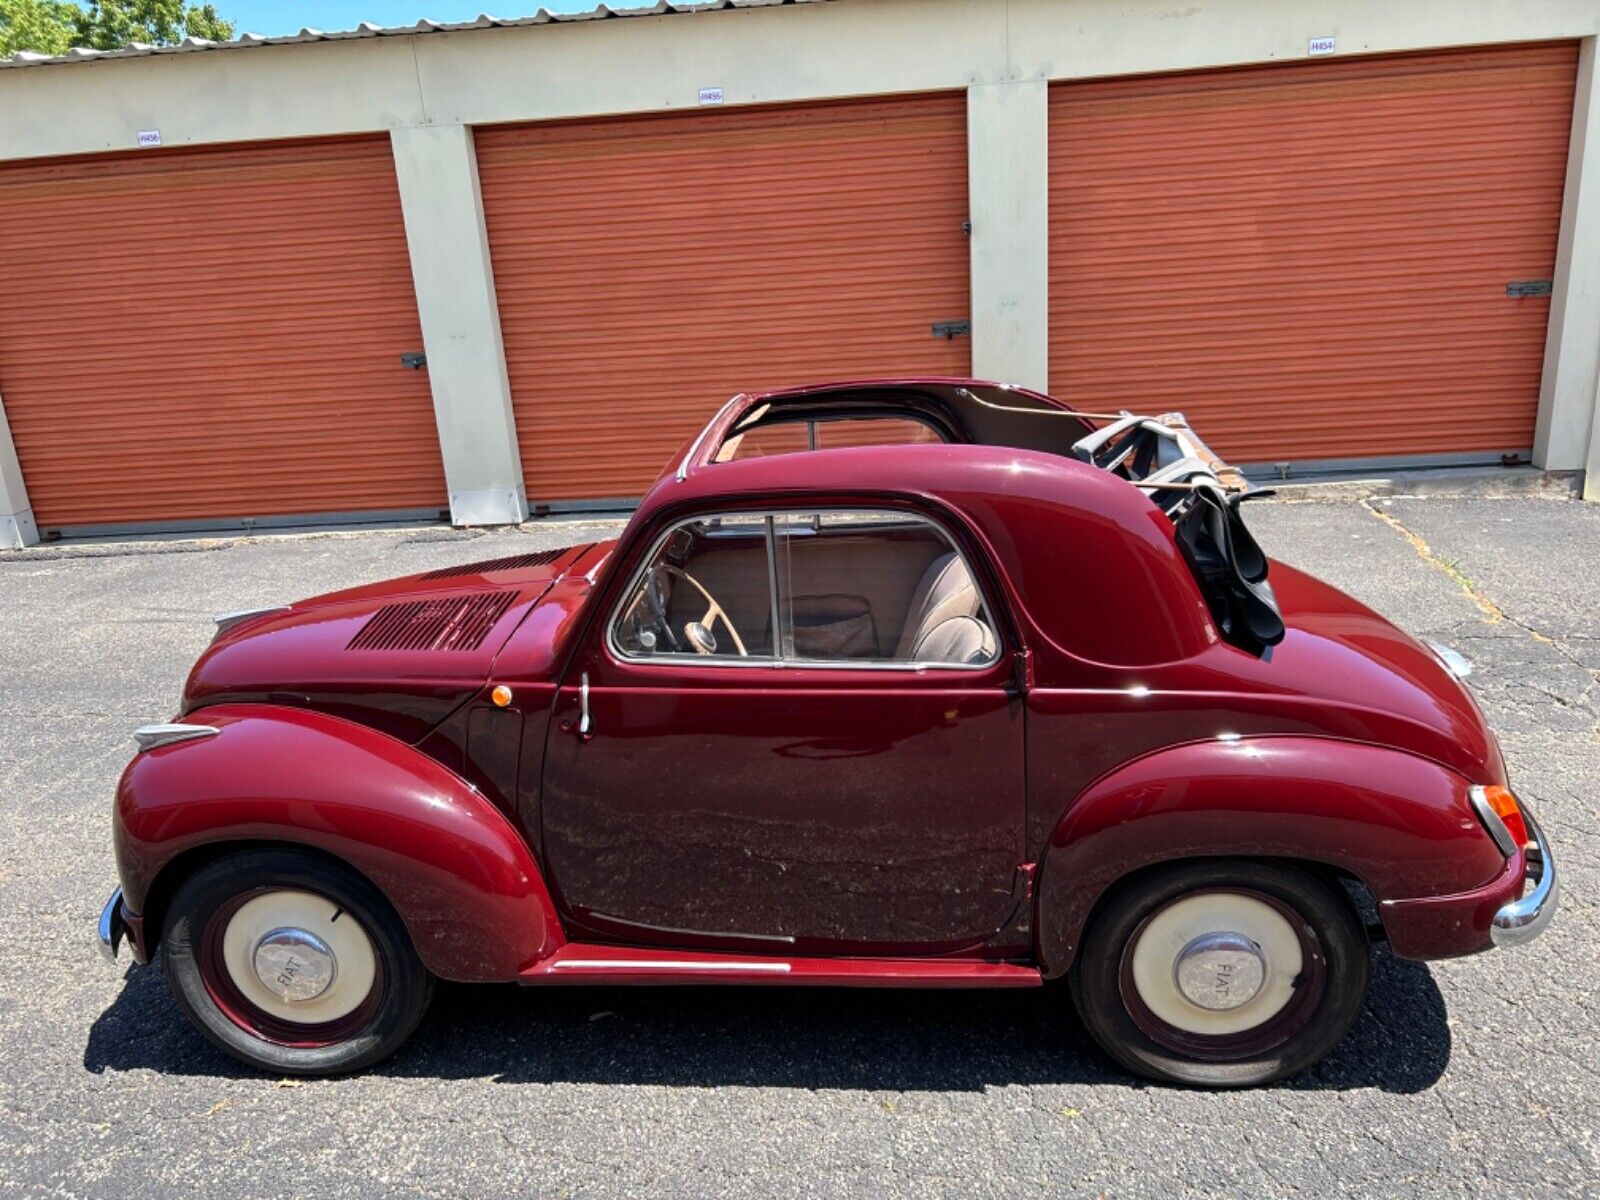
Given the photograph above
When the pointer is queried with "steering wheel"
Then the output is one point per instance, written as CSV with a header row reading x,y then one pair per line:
x,y
697,633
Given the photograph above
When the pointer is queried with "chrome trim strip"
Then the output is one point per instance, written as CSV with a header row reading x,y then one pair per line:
x,y
585,725
1491,820
226,621
620,964
149,737
694,447
112,927
1522,920
791,664
774,614
1457,663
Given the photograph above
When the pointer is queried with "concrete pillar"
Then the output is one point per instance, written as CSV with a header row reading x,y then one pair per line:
x,y
1591,473
17,528
454,279
1008,166
1562,439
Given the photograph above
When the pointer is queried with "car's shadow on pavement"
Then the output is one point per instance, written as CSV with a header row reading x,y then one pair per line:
x,y
877,1039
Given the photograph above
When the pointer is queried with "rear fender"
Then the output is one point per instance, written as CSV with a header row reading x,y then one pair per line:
x,y
1400,824
456,870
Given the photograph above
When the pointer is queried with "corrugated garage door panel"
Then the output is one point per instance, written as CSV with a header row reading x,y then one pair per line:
x,y
214,333
1311,260
648,268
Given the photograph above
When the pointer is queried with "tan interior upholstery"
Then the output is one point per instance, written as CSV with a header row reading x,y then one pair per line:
x,y
955,640
883,571
920,602
945,591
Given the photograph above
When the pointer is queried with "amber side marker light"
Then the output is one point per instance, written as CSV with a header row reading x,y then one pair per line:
x,y
502,697
1497,808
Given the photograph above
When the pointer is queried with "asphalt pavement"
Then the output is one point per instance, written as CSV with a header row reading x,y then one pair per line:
x,y
1476,1076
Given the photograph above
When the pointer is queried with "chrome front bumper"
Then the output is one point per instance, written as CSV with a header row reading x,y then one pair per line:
x,y
1523,920
112,927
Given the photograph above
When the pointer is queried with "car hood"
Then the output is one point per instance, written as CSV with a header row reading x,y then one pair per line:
x,y
399,655
1362,677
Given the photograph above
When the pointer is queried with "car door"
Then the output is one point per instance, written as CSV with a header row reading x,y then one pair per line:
x,y
853,785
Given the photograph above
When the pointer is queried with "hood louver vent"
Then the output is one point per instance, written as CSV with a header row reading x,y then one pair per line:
x,y
448,623
515,563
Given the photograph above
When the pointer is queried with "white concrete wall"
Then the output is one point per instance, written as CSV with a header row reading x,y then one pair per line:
x,y
438,173
763,55
1008,183
17,528
428,88
1572,343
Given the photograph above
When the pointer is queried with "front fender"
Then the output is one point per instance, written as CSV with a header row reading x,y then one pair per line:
x,y
1399,823
456,870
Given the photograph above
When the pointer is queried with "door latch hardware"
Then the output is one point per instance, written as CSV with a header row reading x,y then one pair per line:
x,y
1528,287
949,330
414,361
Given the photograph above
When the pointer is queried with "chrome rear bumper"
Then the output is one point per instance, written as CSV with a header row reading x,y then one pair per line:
x,y
112,927
1523,920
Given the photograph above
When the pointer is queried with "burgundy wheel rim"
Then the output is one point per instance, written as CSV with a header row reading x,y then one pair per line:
x,y
1275,1031
256,1021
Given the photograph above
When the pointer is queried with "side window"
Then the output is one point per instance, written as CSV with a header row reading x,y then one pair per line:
x,y
874,431
877,587
706,592
793,436
764,440
852,586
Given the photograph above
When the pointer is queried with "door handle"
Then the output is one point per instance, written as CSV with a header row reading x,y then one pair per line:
x,y
585,722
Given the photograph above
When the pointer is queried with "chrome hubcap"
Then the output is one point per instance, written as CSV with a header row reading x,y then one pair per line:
x,y
1220,971
294,964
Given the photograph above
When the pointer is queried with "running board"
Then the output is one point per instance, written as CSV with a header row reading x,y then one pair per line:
x,y
611,965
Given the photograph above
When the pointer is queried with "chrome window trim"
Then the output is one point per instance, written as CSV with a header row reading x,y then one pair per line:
x,y
775,660
694,446
776,615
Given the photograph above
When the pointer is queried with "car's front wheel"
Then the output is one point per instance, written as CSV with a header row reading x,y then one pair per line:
x,y
293,964
1222,974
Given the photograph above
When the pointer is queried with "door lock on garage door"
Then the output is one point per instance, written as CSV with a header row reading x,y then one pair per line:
x,y
414,361
949,330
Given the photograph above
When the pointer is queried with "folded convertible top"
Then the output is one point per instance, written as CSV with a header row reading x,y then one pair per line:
x,y
1201,494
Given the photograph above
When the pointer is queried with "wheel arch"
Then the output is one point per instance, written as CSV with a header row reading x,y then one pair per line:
x,y
186,863
1350,887
1389,824
451,864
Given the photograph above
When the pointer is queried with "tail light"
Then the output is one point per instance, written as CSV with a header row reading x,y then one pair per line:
x,y
1497,808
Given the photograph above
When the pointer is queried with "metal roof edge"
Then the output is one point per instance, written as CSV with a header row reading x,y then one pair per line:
x,y
543,16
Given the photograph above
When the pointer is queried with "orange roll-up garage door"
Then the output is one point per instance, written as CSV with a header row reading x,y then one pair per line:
x,y
649,267
213,333
1312,260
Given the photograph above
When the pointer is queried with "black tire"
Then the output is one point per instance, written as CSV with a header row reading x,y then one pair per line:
x,y
395,1003
1329,991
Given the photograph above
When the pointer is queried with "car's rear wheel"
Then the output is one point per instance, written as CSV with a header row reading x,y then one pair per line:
x,y
1222,974
292,963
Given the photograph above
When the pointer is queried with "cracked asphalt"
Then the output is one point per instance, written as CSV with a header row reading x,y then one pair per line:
x,y
1466,1077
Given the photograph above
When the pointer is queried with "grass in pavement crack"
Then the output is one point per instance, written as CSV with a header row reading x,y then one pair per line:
x,y
1487,606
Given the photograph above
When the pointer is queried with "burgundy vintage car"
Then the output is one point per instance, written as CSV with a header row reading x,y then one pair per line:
x,y
923,683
